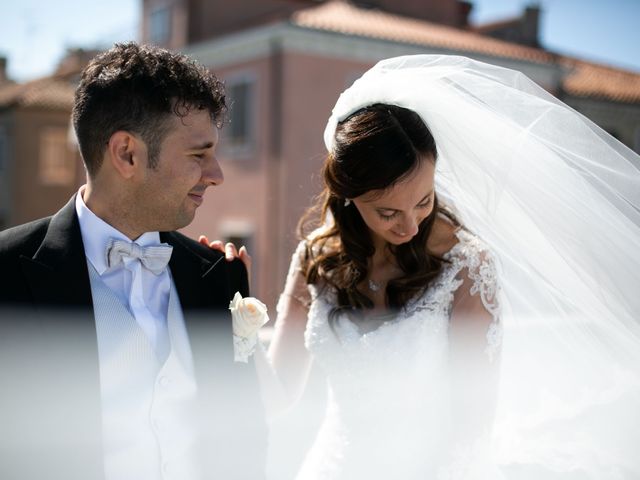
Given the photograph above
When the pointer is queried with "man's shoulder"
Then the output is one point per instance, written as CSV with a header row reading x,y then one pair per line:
x,y
23,239
234,268
233,274
194,247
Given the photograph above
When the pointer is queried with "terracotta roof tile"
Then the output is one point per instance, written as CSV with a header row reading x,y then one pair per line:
x,y
49,93
583,79
586,79
343,17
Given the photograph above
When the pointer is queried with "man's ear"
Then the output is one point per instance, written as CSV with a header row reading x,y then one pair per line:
x,y
125,153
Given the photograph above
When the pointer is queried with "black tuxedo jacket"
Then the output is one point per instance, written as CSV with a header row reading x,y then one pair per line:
x,y
50,415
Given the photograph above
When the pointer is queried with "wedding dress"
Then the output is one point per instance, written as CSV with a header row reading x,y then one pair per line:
x,y
389,402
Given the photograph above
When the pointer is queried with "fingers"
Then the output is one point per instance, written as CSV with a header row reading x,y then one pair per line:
x,y
230,251
217,245
245,257
214,245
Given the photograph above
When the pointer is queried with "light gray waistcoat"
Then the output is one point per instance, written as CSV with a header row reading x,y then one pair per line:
x,y
146,401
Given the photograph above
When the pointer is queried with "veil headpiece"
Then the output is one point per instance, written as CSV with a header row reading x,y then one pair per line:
x,y
557,201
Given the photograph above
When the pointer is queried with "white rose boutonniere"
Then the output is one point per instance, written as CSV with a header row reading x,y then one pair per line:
x,y
247,316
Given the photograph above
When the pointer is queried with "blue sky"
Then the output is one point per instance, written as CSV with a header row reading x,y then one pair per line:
x,y
35,33
605,31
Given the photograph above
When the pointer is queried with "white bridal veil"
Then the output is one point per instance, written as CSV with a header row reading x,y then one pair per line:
x,y
557,200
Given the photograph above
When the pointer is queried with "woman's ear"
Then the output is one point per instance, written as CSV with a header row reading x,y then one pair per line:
x,y
123,153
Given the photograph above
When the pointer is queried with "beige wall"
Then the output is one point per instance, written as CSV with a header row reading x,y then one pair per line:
x,y
31,198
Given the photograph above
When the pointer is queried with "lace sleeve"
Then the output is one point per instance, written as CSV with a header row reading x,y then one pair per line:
x,y
477,298
295,287
485,284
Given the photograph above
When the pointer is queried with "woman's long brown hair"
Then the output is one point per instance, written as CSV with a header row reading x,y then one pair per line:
x,y
375,148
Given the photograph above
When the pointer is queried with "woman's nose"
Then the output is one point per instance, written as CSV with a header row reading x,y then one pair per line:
x,y
409,226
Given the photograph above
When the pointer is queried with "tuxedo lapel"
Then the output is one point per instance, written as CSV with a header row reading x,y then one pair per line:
x,y
199,281
57,273
56,366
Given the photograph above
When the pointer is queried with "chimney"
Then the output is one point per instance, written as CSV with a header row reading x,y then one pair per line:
x,y
530,25
464,10
3,70
74,60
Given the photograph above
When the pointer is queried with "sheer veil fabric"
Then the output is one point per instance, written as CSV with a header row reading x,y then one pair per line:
x,y
557,201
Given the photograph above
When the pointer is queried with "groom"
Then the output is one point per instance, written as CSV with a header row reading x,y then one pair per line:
x,y
116,355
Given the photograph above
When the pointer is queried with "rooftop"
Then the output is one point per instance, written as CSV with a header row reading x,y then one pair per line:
x,y
50,93
587,79
343,17
583,79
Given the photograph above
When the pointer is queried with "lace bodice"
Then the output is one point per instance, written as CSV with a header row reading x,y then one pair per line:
x,y
468,258
391,383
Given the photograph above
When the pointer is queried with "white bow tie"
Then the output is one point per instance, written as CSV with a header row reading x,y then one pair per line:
x,y
154,258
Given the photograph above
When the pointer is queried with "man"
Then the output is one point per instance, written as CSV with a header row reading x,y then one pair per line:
x,y
115,340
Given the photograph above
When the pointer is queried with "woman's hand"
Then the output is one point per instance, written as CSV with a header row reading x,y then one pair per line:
x,y
230,251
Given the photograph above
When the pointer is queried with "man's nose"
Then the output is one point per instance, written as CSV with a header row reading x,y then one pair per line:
x,y
212,173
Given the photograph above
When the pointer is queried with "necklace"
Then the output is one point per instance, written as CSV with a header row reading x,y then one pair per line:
x,y
374,286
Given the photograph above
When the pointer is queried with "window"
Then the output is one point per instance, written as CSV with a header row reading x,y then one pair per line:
x,y
239,132
636,140
160,25
57,162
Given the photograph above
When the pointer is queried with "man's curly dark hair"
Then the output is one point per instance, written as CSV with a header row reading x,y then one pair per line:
x,y
137,88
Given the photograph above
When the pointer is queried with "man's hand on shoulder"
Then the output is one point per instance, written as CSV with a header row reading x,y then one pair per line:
x,y
230,251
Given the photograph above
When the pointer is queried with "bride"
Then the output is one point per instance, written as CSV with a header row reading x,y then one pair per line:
x,y
471,286
389,284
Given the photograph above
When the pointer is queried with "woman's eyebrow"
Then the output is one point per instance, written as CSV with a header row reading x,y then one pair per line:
x,y
420,202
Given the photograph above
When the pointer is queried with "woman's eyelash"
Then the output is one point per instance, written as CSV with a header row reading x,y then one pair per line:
x,y
393,215
387,217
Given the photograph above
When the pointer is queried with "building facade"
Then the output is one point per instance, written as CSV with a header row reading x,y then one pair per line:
x,y
40,167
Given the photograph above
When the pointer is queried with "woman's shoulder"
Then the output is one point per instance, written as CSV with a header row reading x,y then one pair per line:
x,y
454,242
443,237
315,242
